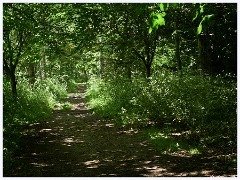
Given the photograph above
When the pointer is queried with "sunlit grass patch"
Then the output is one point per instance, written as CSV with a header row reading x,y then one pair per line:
x,y
72,86
66,106
164,143
194,151
63,106
132,119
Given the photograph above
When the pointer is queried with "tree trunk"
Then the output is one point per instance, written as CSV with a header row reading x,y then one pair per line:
x,y
200,61
10,71
13,83
177,44
10,67
32,74
148,70
204,57
43,64
101,66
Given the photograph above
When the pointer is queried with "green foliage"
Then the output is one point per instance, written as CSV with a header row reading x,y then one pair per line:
x,y
103,96
157,20
63,106
164,57
199,29
206,22
203,105
202,8
164,143
52,87
33,103
71,85
175,5
161,5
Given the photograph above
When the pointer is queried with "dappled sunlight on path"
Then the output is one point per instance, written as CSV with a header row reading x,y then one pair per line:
x,y
77,143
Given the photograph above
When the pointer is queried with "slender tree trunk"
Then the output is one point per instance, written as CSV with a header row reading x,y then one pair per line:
x,y
43,64
13,83
101,66
204,59
177,44
10,71
148,70
200,56
32,73
10,67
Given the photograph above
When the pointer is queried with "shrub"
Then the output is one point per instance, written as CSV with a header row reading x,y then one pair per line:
x,y
33,103
204,105
110,98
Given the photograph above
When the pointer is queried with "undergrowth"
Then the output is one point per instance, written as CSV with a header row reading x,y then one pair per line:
x,y
203,105
165,143
33,103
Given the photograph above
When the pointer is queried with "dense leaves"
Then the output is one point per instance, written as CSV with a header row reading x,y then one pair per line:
x,y
202,105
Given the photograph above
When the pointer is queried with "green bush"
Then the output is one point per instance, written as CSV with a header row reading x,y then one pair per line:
x,y
101,98
33,103
111,98
204,105
52,86
165,143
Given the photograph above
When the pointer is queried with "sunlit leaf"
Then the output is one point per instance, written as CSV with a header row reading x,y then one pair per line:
x,y
160,20
155,23
209,16
174,32
150,30
161,6
206,21
202,9
195,16
199,29
163,14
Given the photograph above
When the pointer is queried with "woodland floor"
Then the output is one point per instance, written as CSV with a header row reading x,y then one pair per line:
x,y
76,143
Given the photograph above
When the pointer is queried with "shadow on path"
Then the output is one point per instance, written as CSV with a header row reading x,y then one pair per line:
x,y
75,143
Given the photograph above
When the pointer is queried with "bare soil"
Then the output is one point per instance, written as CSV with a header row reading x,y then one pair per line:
x,y
76,143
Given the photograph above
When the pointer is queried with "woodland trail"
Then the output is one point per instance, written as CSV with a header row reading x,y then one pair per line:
x,y
76,143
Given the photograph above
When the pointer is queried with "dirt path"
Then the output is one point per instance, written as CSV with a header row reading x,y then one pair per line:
x,y
77,143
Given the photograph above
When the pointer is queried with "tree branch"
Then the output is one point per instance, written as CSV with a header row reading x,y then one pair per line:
x,y
140,56
10,51
153,49
6,67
